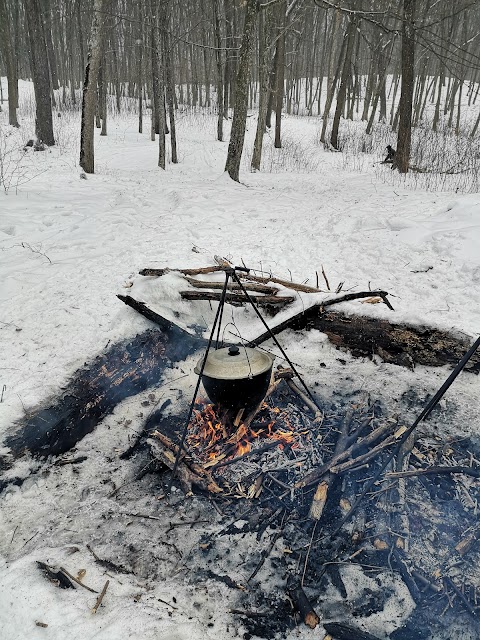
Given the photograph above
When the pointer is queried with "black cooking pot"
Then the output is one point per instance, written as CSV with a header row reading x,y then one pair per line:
x,y
236,377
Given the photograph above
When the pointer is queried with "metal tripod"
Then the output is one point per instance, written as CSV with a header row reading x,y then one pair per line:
x,y
230,274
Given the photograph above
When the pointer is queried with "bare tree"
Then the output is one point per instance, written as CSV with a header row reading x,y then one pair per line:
x,y
7,50
404,137
239,123
40,72
87,145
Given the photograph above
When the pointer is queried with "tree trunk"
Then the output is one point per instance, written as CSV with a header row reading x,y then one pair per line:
x,y
169,86
264,54
87,146
40,73
158,73
350,36
7,50
280,75
404,138
239,123
219,63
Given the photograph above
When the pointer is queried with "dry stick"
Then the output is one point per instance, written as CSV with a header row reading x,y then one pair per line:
x,y
468,471
100,597
69,575
187,272
13,534
366,457
305,399
258,288
321,494
141,515
466,603
423,415
316,474
303,605
325,278
266,552
285,283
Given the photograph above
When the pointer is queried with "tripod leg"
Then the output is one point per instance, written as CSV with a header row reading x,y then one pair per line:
x,y
218,315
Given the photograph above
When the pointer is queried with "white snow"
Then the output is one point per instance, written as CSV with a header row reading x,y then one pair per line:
x,y
68,245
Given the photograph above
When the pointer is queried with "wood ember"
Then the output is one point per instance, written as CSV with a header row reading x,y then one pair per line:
x,y
302,603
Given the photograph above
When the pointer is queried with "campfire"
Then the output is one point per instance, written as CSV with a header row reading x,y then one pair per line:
x,y
317,512
297,474
330,482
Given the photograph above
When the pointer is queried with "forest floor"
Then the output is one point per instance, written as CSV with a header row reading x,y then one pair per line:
x,y
68,245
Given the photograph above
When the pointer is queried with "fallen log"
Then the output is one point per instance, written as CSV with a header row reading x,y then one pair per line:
x,y
401,344
239,298
125,369
186,272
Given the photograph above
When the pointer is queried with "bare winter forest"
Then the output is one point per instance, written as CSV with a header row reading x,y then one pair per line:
x,y
405,67
239,309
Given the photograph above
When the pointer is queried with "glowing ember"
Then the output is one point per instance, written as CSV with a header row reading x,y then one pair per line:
x,y
213,435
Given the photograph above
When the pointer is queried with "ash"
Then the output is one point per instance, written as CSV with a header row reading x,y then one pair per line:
x,y
229,564
400,564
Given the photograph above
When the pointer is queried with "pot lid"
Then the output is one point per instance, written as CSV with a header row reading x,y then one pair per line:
x,y
235,363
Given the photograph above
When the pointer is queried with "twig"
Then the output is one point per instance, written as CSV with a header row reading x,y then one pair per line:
x,y
13,534
100,597
142,515
69,575
466,603
325,278
468,471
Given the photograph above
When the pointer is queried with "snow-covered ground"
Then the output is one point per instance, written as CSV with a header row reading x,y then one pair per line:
x,y
68,245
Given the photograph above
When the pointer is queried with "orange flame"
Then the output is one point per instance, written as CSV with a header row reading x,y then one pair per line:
x,y
211,437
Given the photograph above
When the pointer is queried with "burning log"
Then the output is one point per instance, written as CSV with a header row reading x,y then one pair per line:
x,y
185,473
195,468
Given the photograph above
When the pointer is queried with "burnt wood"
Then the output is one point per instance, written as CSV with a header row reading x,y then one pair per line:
x,y
302,603
400,344
125,369
238,298
341,631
